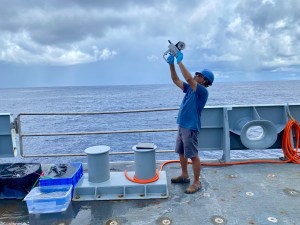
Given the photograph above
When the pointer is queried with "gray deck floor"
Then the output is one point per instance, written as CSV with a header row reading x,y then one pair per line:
x,y
259,194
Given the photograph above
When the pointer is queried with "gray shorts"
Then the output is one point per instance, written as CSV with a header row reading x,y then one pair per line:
x,y
187,142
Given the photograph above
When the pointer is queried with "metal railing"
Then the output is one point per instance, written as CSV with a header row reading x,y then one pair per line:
x,y
223,128
18,126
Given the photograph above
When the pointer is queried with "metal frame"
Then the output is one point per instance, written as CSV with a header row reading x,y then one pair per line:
x,y
7,136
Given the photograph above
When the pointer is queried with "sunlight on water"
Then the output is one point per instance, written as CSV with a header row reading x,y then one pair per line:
x,y
255,133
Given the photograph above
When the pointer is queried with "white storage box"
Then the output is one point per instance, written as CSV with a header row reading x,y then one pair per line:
x,y
49,199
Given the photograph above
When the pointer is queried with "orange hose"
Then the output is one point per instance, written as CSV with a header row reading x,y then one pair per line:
x,y
287,146
140,181
291,154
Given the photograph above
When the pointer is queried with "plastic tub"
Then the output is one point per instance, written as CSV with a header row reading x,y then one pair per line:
x,y
49,199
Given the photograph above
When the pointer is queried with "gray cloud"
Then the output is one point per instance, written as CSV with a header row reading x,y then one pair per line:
x,y
229,36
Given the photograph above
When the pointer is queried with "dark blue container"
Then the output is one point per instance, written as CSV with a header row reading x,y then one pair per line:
x,y
17,179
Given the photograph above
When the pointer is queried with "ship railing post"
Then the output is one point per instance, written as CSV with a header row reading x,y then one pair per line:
x,y
226,136
289,116
19,129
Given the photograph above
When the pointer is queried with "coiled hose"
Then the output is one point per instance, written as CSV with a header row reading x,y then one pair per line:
x,y
291,154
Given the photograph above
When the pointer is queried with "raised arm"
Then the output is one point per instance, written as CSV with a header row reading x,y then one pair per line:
x,y
186,74
173,72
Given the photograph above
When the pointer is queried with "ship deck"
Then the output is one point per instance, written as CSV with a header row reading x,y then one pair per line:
x,y
261,193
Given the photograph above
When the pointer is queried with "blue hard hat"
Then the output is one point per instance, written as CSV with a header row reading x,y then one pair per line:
x,y
209,76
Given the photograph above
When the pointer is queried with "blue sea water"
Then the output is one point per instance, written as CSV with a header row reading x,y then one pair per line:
x,y
119,98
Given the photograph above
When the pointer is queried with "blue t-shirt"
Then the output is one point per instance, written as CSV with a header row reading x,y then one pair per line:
x,y
189,115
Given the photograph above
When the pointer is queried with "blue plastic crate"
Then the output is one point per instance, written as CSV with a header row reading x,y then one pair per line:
x,y
72,176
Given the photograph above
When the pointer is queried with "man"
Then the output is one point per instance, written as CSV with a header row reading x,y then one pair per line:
x,y
189,119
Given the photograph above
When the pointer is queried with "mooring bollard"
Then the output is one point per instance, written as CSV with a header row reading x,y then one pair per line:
x,y
144,163
98,163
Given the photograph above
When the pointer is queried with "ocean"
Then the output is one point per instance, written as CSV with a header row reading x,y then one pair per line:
x,y
120,98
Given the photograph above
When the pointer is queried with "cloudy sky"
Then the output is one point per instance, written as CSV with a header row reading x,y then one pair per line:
x,y
104,42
